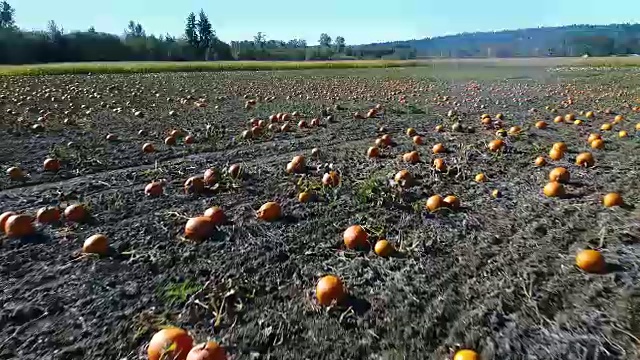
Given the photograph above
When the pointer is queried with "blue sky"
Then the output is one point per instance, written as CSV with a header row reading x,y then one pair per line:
x,y
358,21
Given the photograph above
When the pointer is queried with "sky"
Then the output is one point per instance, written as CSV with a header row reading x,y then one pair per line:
x,y
358,21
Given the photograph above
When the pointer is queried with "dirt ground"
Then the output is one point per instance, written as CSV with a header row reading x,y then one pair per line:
x,y
497,275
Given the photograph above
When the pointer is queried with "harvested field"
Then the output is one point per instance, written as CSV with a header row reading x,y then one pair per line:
x,y
497,274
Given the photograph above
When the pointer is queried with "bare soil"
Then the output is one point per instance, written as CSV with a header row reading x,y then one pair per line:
x,y
497,275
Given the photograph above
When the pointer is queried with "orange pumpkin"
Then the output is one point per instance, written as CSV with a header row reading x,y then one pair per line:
x,y
554,189
451,202
403,178
18,226
170,343
170,141
496,145
418,140
593,137
622,134
606,127
541,125
480,177
466,354
3,219
270,211
52,165
329,289
75,213
515,130
591,261
438,149
411,132
386,139
439,164
48,215
210,177
540,161
148,148
304,196
355,237
216,214
556,154
569,117
597,144
383,248
589,115
585,159
560,146
331,179
96,244
235,171
411,157
373,152
558,119
15,173
210,350
559,174
176,133
199,228
435,202
194,185
612,199
189,139
153,189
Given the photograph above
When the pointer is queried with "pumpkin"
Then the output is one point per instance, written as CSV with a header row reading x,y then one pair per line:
x,y
486,121
554,189
411,132
112,137
373,152
386,139
216,214
589,115
148,148
246,134
439,128
622,134
541,125
591,261
403,178
605,127
170,343
48,215
383,248
298,162
18,226
439,164
75,213
235,171
210,177
189,139
270,211
466,354
285,127
556,154
499,117
558,119
256,131
3,219
515,130
315,122
540,161
304,196
496,145
331,179
199,228
438,149
597,144
451,202
585,159
559,174
593,137
170,141
560,146
618,119
176,133
315,152
569,117
435,202
153,189
96,244
612,199
274,128
411,157
15,173
577,122
51,165
355,237
194,185
329,289
418,140
638,126
480,177
496,194
210,350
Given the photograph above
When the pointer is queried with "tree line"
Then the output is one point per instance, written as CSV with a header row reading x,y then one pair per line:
x,y
198,43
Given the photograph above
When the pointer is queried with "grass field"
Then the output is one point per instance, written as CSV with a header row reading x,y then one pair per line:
x,y
495,273
158,67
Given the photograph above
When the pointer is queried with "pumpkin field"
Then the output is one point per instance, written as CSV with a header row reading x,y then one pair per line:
x,y
398,213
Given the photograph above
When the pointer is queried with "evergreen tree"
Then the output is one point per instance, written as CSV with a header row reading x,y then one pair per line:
x,y
205,33
7,14
191,31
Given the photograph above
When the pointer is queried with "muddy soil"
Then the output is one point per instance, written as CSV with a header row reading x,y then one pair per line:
x,y
497,275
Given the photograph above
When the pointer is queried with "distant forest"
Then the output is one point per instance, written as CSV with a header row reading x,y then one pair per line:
x,y
200,42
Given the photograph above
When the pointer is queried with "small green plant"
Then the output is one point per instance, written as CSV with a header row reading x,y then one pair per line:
x,y
178,292
371,190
